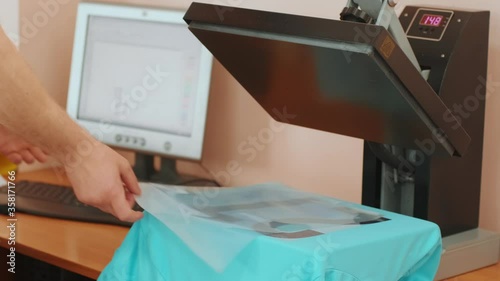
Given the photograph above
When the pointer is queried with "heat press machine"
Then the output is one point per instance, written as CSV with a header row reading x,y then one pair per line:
x,y
413,87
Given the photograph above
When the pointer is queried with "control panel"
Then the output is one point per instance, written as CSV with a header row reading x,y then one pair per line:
x,y
130,140
138,142
429,24
434,36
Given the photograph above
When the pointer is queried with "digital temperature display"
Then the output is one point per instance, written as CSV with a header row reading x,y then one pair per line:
x,y
431,20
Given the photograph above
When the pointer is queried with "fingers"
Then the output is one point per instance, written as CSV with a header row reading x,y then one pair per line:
x,y
119,206
27,156
105,180
129,179
38,154
130,199
123,211
15,158
19,148
22,152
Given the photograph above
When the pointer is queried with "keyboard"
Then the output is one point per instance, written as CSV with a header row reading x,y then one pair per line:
x,y
54,201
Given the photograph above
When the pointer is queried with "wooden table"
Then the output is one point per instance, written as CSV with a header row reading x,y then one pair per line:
x,y
491,273
86,248
83,248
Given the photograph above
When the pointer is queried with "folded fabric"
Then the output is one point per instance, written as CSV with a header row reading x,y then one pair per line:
x,y
271,232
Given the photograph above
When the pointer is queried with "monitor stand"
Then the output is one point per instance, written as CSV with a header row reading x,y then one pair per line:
x,y
144,166
145,172
167,173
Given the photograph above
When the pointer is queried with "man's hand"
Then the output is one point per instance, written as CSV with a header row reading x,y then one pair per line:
x,y
18,150
105,180
100,178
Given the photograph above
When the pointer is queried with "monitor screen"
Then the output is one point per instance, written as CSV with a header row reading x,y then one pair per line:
x,y
144,75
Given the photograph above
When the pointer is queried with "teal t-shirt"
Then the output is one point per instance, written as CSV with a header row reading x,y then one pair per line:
x,y
270,232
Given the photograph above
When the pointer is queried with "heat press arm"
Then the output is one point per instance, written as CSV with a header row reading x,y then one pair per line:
x,y
357,71
382,11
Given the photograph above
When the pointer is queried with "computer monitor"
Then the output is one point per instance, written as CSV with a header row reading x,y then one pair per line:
x,y
140,81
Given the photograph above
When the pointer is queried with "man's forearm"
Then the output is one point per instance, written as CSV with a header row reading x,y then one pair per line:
x,y
27,110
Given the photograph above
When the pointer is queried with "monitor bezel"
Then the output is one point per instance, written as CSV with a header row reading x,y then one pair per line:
x,y
157,143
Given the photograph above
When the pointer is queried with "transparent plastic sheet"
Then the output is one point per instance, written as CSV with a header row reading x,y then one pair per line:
x,y
218,223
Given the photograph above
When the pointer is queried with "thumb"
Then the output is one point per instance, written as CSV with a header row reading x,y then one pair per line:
x,y
129,179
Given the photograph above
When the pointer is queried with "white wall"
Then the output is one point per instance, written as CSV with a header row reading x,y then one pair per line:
x,y
9,18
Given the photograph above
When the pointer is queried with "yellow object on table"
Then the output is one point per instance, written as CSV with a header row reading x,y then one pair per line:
x,y
6,166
